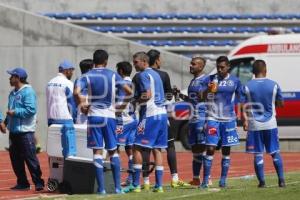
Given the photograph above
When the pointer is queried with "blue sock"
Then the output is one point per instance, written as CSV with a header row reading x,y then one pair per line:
x,y
225,167
98,162
116,170
130,167
207,168
137,168
277,161
197,163
159,171
259,167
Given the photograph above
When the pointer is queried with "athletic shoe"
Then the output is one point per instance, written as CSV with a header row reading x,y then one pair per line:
x,y
158,189
179,183
131,188
126,183
103,192
20,187
281,183
222,183
120,191
39,187
262,184
203,185
195,181
146,187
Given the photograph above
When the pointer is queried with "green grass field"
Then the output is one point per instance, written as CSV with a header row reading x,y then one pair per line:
x,y
238,189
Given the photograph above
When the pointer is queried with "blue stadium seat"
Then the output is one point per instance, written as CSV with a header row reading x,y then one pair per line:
x,y
296,29
63,15
83,16
184,16
229,16
52,15
109,15
124,16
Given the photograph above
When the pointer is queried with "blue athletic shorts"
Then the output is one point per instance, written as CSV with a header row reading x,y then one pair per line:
x,y
226,131
152,132
99,129
257,141
126,133
196,133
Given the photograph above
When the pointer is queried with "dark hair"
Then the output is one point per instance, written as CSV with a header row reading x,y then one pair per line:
x,y
100,57
126,68
153,56
23,80
259,66
85,65
222,59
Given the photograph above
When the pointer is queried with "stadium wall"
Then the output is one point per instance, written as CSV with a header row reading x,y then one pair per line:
x,y
158,6
39,44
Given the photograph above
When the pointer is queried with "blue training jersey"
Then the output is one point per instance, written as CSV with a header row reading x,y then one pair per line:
x,y
220,105
261,94
102,84
150,80
128,114
196,86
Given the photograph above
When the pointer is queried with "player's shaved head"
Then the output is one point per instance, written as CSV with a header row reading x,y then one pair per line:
x,y
259,67
199,58
141,56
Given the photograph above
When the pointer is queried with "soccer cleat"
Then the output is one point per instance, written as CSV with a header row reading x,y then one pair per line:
x,y
39,187
21,187
126,183
120,191
102,192
179,183
195,181
158,189
203,186
146,187
210,183
222,183
281,183
262,184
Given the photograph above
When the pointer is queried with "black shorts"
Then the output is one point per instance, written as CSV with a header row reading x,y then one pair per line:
x,y
171,134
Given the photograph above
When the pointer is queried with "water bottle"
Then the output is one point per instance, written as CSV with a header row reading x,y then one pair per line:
x,y
214,85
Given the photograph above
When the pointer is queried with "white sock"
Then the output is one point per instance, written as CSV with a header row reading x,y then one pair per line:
x,y
175,177
146,180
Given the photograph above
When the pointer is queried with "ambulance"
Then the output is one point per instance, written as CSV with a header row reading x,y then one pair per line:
x,y
282,56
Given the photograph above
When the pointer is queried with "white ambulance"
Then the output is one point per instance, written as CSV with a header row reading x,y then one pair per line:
x,y
282,56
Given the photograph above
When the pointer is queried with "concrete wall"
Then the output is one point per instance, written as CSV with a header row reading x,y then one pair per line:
x,y
39,44
157,6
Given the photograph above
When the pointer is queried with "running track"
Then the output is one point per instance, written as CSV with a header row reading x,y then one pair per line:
x,y
241,164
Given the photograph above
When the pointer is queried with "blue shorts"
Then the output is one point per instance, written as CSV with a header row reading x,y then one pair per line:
x,y
196,133
226,131
152,132
257,141
126,134
99,129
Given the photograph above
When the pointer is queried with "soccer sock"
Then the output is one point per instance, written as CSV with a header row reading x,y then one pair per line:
x,y
146,161
175,177
98,162
225,167
207,168
116,170
171,156
277,161
159,171
197,163
259,167
137,168
130,167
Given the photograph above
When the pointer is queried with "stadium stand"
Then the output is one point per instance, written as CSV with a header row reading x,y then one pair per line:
x,y
184,33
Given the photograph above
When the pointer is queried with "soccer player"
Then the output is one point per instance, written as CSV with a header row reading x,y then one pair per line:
x,y
261,96
155,64
196,123
126,122
102,84
152,127
223,89
85,66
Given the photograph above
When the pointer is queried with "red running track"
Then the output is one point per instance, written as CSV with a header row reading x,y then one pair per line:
x,y
241,164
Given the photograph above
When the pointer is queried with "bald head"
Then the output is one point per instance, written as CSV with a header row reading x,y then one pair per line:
x,y
259,68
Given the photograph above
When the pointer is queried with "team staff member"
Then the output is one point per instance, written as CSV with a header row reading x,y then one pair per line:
x,y
21,123
61,107
260,122
102,84
223,89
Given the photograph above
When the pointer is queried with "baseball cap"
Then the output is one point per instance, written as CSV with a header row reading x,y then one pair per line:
x,y
18,71
65,64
